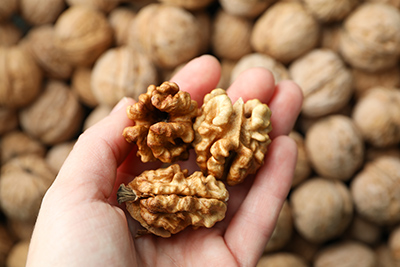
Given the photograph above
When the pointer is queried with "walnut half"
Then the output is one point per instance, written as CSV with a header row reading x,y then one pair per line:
x,y
167,200
231,139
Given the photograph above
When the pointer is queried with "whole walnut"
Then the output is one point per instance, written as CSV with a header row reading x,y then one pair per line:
x,y
40,42
346,254
331,10
330,37
166,201
121,19
335,147
81,85
18,254
24,181
283,230
39,12
8,120
55,116
230,38
6,243
119,72
17,143
96,115
364,231
376,191
10,34
168,35
274,35
303,168
20,77
370,38
281,259
57,154
253,60
189,4
245,8
82,34
8,8
377,115
394,245
322,209
101,5
326,83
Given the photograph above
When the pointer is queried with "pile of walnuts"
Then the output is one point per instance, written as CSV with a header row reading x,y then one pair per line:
x,y
66,63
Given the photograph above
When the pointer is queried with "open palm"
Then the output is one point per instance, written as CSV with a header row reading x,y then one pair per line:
x,y
80,223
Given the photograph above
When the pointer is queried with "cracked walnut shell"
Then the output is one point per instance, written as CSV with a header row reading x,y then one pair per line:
x,y
163,123
167,200
231,139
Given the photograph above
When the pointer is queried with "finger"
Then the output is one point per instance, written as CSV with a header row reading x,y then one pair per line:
x,y
285,106
254,83
255,220
199,77
90,169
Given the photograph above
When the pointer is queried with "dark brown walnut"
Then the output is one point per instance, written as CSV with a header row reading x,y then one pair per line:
x,y
231,139
167,200
163,123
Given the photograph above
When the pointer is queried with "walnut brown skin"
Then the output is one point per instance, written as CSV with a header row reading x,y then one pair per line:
x,y
165,201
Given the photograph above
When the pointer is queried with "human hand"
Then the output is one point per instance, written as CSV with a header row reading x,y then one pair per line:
x,y
80,224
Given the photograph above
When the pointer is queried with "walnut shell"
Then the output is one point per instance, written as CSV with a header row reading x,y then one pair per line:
x,y
189,4
20,77
24,181
302,247
346,254
39,12
364,231
252,60
81,86
55,116
165,201
303,167
226,72
82,34
376,191
326,83
18,254
121,19
230,38
101,5
335,147
330,37
9,34
96,115
283,230
274,36
119,72
331,10
167,42
281,259
8,120
377,115
57,154
371,37
384,257
394,245
7,8
322,209
245,8
395,3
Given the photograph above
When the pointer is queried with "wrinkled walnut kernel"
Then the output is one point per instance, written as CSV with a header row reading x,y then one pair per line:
x,y
163,123
231,140
166,201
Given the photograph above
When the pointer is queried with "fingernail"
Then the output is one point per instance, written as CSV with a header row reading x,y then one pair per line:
x,y
122,103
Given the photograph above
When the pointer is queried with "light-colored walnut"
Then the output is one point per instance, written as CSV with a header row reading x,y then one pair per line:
x,y
253,60
364,231
163,123
335,147
81,85
394,245
326,83
55,116
283,230
6,243
24,181
245,8
20,77
119,72
7,8
121,19
40,43
189,4
39,12
370,38
322,209
101,5
330,37
18,254
226,73
346,254
231,139
281,259
165,201
96,115
384,256
377,115
376,191
365,80
303,168
330,10
57,154
169,35
285,31
82,34
17,143
8,120
9,34
230,38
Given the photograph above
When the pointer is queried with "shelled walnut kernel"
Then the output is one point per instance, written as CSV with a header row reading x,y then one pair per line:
x,y
166,201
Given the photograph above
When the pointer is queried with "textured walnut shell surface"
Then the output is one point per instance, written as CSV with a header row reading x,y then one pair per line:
x,y
281,259
163,123
9,34
101,5
364,231
165,201
39,12
331,10
376,191
81,86
322,209
245,8
395,3
189,4
20,77
231,139
55,116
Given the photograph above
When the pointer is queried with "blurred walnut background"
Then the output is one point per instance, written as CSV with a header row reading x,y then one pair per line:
x,y
65,63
